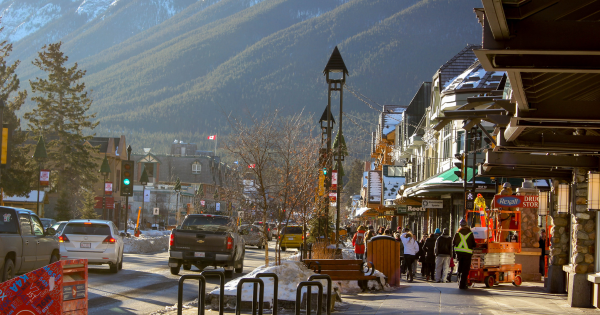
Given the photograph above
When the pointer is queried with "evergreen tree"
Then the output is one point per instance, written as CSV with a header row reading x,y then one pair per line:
x,y
87,211
63,210
61,116
355,178
19,178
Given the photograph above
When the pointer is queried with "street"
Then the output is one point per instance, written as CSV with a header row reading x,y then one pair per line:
x,y
145,284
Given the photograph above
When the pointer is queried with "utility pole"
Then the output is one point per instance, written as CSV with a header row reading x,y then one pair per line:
x,y
144,182
127,197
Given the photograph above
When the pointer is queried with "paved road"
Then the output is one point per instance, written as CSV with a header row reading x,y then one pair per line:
x,y
145,284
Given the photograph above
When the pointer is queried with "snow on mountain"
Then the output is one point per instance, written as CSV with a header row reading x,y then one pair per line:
x,y
92,8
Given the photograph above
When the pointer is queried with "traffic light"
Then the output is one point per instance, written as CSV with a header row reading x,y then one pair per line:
x,y
321,187
127,178
460,165
325,171
5,153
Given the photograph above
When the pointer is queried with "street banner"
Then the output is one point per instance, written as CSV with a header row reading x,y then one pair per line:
x,y
44,177
36,292
334,180
203,203
333,196
433,204
156,211
108,188
517,201
146,195
252,166
218,206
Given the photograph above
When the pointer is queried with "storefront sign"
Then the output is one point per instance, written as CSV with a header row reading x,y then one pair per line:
x,y
517,201
389,212
44,177
433,204
409,210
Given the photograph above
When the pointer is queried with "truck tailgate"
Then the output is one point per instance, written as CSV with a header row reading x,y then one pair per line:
x,y
200,241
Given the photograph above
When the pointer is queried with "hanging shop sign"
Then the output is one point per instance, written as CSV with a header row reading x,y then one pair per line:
x,y
389,212
433,204
44,177
517,201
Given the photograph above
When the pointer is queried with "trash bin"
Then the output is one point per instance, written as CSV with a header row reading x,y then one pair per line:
x,y
384,252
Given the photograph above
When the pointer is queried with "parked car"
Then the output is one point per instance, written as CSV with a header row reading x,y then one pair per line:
x,y
252,235
98,241
207,240
59,226
47,222
291,236
273,227
261,225
24,243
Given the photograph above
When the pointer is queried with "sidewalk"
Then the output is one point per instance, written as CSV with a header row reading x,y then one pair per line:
x,y
422,297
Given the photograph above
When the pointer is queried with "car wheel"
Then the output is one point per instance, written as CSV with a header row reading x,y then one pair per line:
x,y
187,266
175,270
9,270
228,273
114,268
53,259
120,265
283,249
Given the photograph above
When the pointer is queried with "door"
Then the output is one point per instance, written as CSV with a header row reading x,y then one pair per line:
x,y
29,244
45,243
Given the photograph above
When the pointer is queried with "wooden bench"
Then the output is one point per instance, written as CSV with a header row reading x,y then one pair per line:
x,y
344,269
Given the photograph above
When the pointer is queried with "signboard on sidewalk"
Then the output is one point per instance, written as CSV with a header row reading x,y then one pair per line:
x,y
433,204
44,177
517,201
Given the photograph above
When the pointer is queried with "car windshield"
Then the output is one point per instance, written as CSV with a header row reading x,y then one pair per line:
x,y
87,229
8,224
46,222
207,223
292,230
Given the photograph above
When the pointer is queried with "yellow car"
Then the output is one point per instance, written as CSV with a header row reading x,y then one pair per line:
x,y
291,236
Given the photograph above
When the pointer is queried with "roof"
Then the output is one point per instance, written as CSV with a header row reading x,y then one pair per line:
x,y
336,63
455,66
31,197
391,116
475,77
374,186
102,143
324,116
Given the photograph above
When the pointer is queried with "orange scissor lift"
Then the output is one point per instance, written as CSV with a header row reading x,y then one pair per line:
x,y
493,249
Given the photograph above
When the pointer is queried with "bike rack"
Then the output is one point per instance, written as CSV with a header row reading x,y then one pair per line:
x,y
275,287
328,278
221,276
261,295
201,288
309,284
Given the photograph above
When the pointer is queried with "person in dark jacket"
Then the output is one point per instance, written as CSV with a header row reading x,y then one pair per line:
x,y
464,243
443,253
429,249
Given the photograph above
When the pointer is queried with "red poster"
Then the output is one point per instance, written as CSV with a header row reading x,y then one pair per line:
x,y
334,180
44,177
36,292
108,188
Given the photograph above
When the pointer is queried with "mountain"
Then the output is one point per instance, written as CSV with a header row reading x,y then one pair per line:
x,y
170,67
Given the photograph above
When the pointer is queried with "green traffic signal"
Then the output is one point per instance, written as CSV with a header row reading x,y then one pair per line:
x,y
126,181
324,171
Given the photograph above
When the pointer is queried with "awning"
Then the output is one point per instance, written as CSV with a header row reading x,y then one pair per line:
x,y
365,211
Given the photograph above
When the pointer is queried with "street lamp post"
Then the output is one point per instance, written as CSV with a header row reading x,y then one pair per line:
x,y
127,197
104,170
144,182
39,155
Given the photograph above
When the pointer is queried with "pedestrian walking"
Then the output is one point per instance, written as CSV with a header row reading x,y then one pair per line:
x,y
380,231
358,242
418,256
429,261
368,236
443,253
463,243
387,232
411,248
542,243
421,256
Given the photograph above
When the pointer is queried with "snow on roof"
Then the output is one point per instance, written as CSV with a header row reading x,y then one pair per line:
x,y
475,77
374,186
390,121
391,185
31,197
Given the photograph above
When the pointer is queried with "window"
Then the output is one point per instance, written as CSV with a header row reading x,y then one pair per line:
x,y
38,229
25,224
394,171
460,142
196,168
446,143
87,229
8,223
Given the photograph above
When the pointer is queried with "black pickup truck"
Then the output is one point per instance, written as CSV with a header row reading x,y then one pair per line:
x,y
206,240
24,244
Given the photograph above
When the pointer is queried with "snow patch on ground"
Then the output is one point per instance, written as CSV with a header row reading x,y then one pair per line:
x,y
146,244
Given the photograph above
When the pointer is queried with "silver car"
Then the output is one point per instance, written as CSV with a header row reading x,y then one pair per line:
x,y
98,241
252,235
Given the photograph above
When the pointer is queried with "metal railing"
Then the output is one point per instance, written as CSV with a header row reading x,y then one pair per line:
x,y
221,276
328,278
261,295
308,285
275,287
201,288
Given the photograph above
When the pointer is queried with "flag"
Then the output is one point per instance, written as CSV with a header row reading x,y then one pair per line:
x,y
213,137
252,166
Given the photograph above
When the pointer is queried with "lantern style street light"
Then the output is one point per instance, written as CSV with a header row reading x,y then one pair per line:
x,y
593,191
143,182
563,198
40,156
104,170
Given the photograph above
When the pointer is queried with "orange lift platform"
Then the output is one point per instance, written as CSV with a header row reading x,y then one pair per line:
x,y
493,260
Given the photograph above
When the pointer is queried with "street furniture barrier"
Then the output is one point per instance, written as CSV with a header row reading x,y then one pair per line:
x,y
261,295
384,251
344,269
201,295
275,287
74,286
221,276
328,278
308,285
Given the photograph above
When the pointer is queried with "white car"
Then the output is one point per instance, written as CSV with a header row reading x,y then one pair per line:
x,y
98,241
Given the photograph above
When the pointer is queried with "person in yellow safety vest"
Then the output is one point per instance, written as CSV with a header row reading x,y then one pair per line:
x,y
464,243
